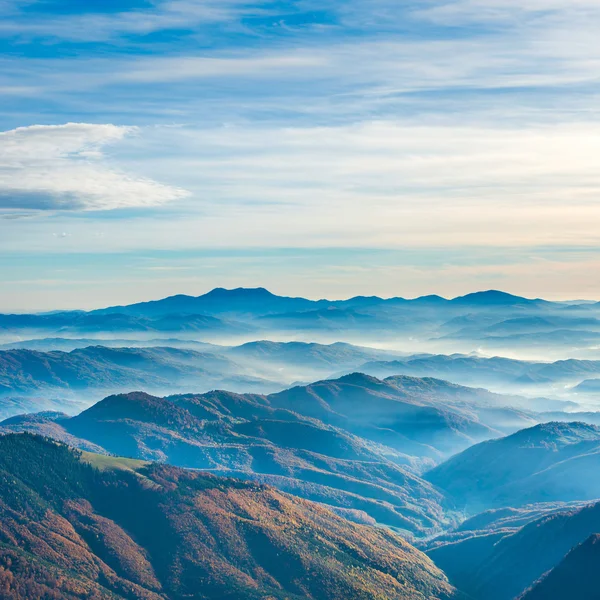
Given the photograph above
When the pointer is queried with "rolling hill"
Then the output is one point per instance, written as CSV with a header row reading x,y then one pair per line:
x,y
356,444
74,323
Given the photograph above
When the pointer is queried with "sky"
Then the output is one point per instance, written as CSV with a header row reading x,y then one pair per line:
x,y
325,148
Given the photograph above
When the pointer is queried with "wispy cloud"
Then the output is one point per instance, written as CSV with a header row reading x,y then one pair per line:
x,y
105,26
63,168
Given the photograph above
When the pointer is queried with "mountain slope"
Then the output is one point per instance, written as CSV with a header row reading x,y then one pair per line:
x,y
503,565
546,463
145,531
495,298
114,322
576,576
315,356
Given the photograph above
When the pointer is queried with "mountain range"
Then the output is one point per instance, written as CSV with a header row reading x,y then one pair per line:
x,y
309,441
357,444
54,379
493,319
29,372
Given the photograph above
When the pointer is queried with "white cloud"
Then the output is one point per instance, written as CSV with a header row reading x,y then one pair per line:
x,y
62,167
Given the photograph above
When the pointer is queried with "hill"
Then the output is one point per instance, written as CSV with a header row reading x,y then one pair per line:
x,y
356,444
495,298
546,463
504,564
384,412
107,369
492,373
314,356
576,576
244,435
143,531
588,386
69,323
421,418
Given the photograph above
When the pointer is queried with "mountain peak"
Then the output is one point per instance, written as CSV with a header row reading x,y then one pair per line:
x,y
137,406
491,298
360,379
245,293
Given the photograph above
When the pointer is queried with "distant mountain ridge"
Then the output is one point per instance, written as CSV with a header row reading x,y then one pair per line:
x,y
493,318
259,300
112,369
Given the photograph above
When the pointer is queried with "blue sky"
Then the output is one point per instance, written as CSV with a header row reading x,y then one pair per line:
x,y
317,148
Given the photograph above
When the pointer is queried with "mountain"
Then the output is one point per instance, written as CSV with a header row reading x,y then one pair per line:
x,y
531,324
112,322
492,320
589,386
404,414
69,344
552,462
496,372
108,369
503,565
356,444
259,301
245,436
386,413
216,302
576,576
495,298
84,526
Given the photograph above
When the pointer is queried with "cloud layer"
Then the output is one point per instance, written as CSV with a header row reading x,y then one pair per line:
x,y
63,167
